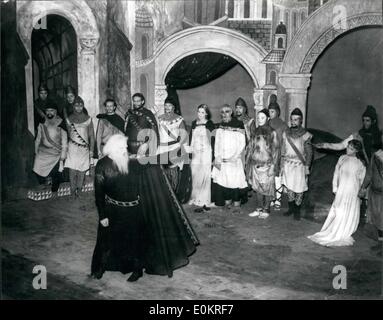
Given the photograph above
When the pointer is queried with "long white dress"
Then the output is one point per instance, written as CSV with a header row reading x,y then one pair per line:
x,y
201,167
343,218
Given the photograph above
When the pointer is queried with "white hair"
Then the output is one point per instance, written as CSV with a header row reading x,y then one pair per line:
x,y
116,148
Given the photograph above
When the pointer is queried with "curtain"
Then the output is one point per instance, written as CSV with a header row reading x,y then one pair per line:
x,y
196,70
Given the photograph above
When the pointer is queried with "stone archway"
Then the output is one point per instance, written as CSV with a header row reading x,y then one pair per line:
x,y
83,21
210,39
322,28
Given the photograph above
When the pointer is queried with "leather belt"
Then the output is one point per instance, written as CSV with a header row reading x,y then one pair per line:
x,y
168,143
122,203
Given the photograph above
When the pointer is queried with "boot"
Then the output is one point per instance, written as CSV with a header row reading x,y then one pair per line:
x,y
297,212
135,275
291,209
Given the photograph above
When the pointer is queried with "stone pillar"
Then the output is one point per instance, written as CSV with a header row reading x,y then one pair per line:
x,y
160,95
258,101
29,95
88,75
296,86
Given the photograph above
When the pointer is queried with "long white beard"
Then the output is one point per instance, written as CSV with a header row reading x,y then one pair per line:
x,y
121,161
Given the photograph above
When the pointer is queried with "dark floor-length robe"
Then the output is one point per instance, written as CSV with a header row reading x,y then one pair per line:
x,y
121,245
170,238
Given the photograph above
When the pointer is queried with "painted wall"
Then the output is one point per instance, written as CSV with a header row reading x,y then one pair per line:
x,y
345,79
113,53
226,89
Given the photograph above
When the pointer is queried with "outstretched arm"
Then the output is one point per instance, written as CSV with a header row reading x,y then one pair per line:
x,y
335,146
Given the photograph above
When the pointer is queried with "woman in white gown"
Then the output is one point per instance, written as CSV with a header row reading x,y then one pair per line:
x,y
343,218
202,150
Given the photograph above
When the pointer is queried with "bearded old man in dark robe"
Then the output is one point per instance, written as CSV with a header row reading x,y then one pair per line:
x,y
120,237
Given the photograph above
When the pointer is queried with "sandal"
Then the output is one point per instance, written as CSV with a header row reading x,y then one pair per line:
x,y
263,215
255,213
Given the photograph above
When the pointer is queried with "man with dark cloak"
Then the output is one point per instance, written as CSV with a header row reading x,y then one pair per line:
x,y
170,238
109,124
120,236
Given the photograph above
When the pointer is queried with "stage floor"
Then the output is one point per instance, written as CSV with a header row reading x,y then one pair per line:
x,y
239,257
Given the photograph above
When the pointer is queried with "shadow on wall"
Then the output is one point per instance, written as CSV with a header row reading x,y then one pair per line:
x,y
345,79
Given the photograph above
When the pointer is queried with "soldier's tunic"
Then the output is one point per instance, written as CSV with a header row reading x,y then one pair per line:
x,y
50,145
294,175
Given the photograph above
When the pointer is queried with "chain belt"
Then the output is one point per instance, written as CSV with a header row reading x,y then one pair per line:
x,y
123,203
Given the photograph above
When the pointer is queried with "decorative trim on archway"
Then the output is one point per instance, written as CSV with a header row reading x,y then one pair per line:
x,y
323,26
368,19
207,39
213,39
84,23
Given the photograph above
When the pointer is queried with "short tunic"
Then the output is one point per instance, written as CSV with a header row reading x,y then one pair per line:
x,y
294,175
49,149
78,157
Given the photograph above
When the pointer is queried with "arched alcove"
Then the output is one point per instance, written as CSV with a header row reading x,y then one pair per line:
x,y
144,47
54,54
81,17
314,36
208,39
144,85
273,77
339,93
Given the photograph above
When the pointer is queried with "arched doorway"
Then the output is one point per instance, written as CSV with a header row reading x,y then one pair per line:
x,y
32,15
208,78
210,39
54,55
322,28
343,84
